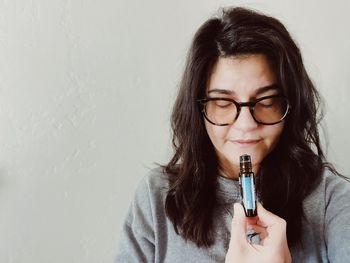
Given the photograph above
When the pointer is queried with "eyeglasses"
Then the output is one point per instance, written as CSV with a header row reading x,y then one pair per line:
x,y
267,110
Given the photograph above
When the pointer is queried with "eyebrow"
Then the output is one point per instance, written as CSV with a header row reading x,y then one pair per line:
x,y
258,91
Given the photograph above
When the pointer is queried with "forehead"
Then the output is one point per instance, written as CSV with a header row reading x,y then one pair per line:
x,y
243,75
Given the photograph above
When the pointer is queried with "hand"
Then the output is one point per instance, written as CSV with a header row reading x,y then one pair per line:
x,y
272,230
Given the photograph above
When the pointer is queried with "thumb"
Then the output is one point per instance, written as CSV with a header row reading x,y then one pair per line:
x,y
238,226
275,225
266,218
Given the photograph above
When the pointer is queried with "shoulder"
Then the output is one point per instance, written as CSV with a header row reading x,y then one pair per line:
x,y
153,182
151,191
331,193
336,218
335,187
335,183
337,193
157,178
149,197
331,185
332,188
326,215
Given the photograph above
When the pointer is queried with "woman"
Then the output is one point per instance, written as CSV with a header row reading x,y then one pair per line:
x,y
244,91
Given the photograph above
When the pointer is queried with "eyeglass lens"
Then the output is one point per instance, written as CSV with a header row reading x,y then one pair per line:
x,y
268,111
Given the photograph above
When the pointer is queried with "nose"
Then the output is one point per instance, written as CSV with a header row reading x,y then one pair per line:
x,y
245,120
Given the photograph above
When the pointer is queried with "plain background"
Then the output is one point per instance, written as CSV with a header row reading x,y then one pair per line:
x,y
86,90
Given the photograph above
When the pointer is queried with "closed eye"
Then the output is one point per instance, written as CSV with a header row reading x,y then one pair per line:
x,y
267,102
222,103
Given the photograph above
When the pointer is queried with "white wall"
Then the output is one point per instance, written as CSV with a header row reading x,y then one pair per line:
x,y
86,89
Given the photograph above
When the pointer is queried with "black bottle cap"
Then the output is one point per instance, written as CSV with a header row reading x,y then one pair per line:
x,y
244,158
245,164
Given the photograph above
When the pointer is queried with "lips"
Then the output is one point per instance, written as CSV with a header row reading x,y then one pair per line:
x,y
246,142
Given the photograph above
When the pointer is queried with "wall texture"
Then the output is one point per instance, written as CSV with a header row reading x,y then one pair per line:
x,y
86,89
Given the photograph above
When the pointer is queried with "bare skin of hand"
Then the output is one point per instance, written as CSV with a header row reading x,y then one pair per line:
x,y
273,247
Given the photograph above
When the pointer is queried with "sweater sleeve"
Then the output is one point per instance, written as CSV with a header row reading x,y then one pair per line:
x,y
337,218
137,236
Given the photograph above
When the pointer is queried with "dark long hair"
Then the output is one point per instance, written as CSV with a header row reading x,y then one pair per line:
x,y
289,173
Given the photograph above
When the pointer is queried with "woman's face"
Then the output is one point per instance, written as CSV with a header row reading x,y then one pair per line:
x,y
242,78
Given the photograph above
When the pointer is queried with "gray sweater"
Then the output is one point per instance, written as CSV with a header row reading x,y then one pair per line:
x,y
149,236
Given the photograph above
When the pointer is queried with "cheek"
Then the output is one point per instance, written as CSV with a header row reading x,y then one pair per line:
x,y
216,134
273,134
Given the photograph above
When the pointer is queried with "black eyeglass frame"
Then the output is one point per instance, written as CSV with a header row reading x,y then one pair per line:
x,y
239,105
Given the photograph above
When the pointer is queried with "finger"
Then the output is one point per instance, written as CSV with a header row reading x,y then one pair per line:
x,y
259,230
266,218
275,226
238,226
252,220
